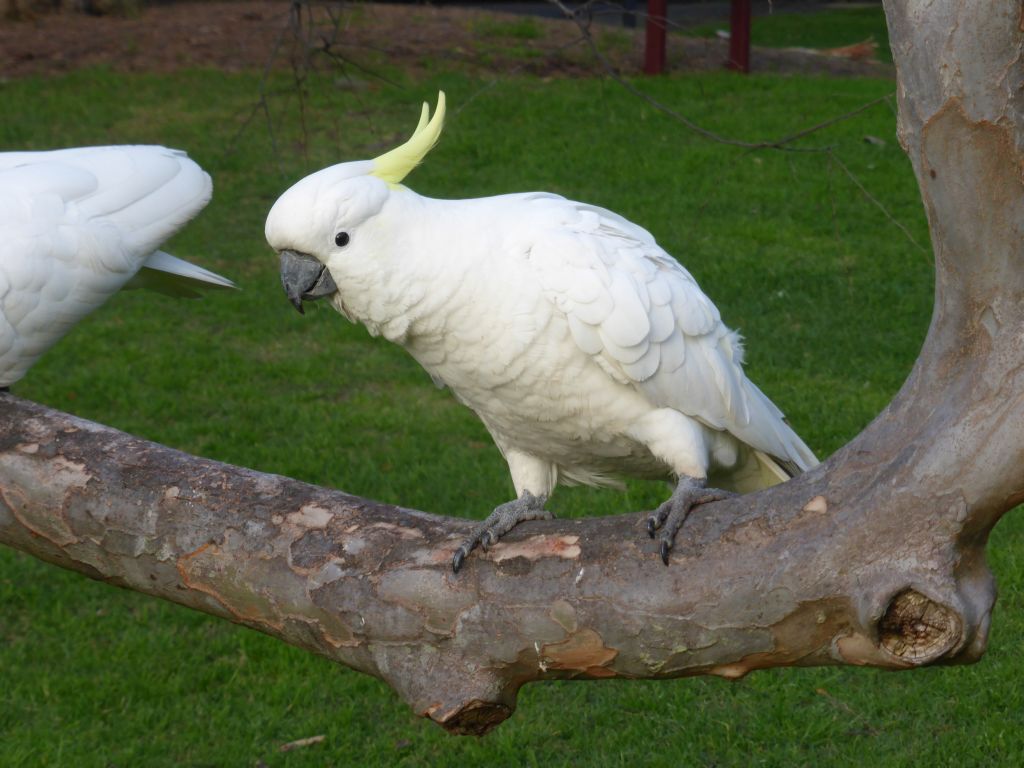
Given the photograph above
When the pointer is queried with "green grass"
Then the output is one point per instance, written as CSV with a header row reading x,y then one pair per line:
x,y
821,29
516,29
833,301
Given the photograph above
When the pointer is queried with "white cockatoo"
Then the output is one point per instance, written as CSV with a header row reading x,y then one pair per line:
x,y
587,351
78,224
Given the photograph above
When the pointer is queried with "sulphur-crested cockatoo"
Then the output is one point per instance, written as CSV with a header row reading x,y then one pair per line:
x,y
586,350
78,224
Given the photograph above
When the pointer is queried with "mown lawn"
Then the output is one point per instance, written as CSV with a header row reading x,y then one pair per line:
x,y
832,27
831,296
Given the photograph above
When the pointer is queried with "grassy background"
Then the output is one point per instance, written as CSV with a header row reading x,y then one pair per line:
x,y
831,28
832,297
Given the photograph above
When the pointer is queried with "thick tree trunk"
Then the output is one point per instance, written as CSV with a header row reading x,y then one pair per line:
x,y
877,557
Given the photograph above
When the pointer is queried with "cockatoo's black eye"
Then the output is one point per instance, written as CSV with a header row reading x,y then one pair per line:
x,y
341,239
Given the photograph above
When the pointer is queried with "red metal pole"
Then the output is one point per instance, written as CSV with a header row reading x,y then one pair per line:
x,y
739,36
654,50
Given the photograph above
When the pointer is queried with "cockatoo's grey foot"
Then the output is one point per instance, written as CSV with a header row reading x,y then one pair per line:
x,y
502,520
671,515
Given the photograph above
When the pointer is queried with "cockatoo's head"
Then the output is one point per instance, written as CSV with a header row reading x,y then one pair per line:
x,y
323,219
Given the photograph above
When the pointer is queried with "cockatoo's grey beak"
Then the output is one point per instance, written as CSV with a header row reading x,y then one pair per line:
x,y
304,278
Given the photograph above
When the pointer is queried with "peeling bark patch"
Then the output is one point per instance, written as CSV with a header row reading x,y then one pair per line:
x,y
259,593
516,566
312,550
583,651
191,579
804,637
403,531
989,321
30,448
209,570
916,629
818,505
856,649
564,614
47,486
310,516
537,547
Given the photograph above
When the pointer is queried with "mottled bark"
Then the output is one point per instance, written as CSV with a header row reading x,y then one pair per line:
x,y
875,558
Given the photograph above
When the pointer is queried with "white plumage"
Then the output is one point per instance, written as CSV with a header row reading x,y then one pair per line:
x,y
76,225
586,350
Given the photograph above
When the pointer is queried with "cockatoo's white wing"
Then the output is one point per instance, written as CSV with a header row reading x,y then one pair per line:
x,y
645,320
75,226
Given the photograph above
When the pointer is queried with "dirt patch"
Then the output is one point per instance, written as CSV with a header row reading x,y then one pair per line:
x,y
233,36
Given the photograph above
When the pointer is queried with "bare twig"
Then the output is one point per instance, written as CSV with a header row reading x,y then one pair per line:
x,y
781,143
300,743
876,202
310,41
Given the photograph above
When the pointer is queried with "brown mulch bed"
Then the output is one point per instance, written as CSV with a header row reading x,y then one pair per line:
x,y
233,36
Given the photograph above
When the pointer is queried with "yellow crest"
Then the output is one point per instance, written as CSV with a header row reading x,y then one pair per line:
x,y
395,165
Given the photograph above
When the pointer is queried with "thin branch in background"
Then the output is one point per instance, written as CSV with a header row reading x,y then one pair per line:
x,y
578,15
824,124
830,182
300,68
328,46
778,144
584,27
311,39
876,202
261,104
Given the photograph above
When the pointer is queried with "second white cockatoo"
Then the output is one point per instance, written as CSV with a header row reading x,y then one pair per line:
x,y
78,224
587,351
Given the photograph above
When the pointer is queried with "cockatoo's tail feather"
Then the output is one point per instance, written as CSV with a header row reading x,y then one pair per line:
x,y
161,261
171,276
395,165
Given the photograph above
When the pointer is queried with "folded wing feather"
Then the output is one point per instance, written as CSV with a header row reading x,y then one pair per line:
x,y
633,306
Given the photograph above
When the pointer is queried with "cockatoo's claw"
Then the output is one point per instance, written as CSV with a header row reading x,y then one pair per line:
x,y
670,516
458,558
666,547
657,518
503,519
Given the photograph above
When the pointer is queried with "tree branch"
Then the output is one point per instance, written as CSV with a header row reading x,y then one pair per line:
x,y
804,574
